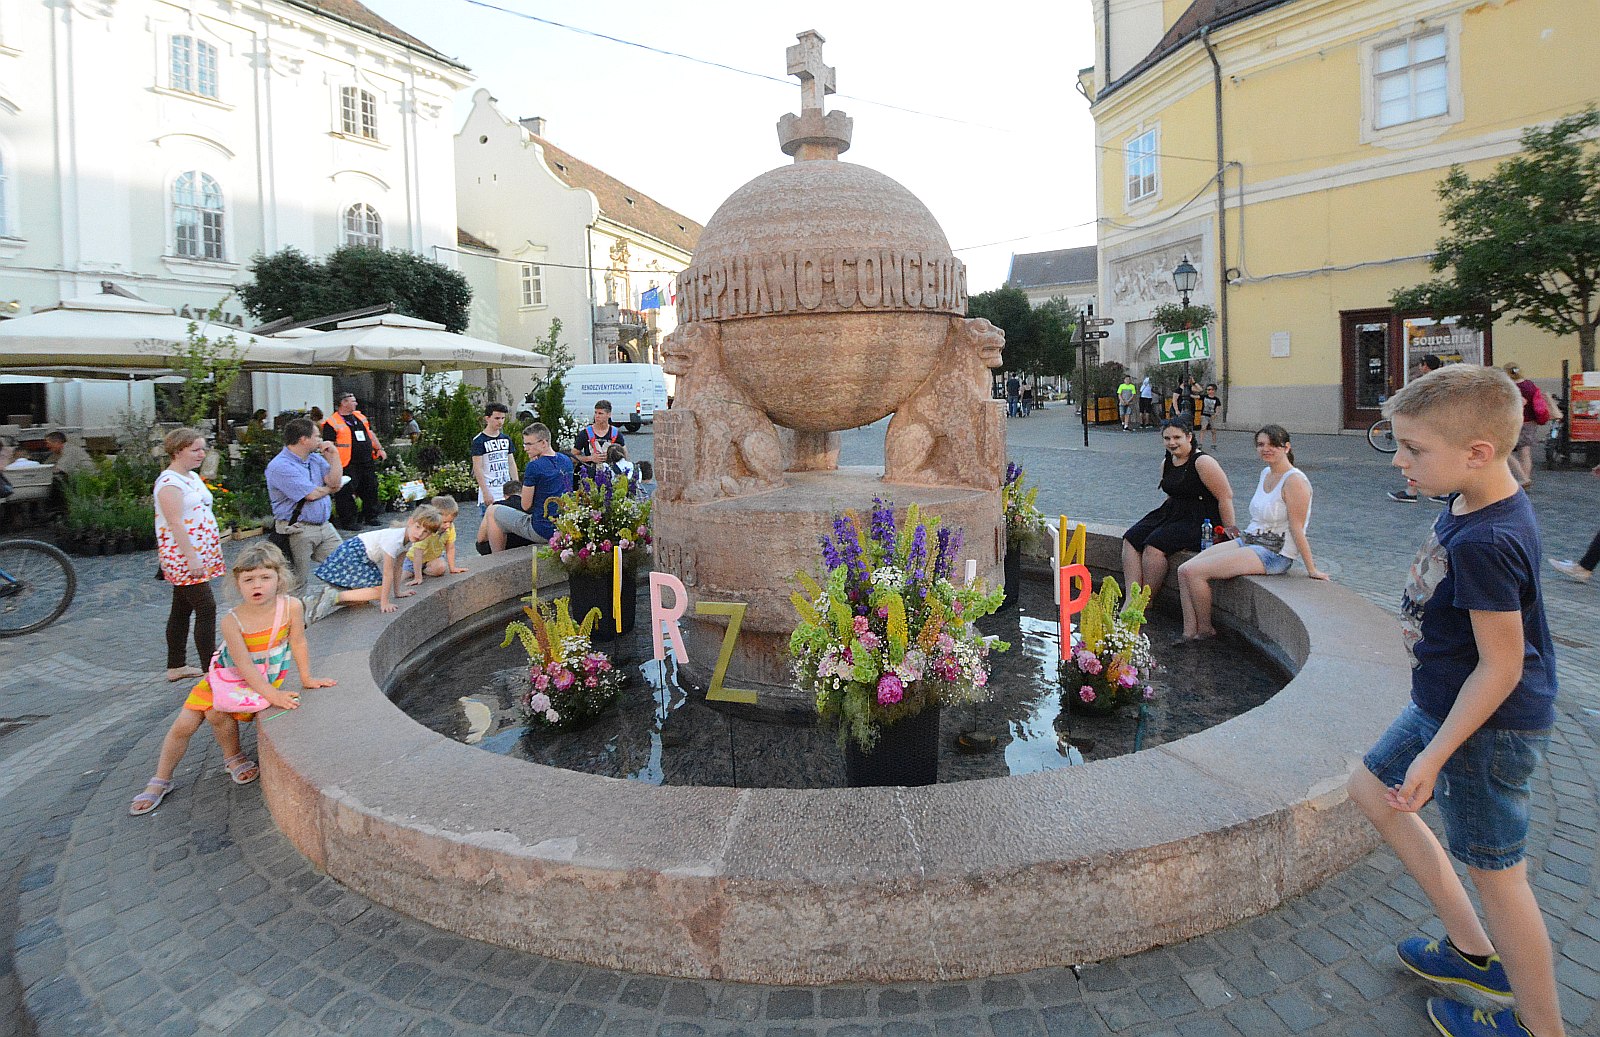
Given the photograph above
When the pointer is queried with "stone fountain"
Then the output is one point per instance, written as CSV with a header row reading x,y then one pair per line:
x,y
823,296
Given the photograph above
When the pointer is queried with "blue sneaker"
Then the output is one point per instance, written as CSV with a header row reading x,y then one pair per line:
x,y
1440,962
1454,1019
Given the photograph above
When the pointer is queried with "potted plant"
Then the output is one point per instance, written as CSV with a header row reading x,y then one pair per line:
x,y
1023,523
600,515
569,684
887,639
1109,661
453,479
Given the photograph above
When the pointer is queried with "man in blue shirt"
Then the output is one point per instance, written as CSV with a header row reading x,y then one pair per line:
x,y
547,476
300,481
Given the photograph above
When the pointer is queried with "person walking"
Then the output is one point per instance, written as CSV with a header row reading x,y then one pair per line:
x,y
1147,403
1584,567
1127,393
1430,362
1013,396
301,479
359,453
1537,410
189,548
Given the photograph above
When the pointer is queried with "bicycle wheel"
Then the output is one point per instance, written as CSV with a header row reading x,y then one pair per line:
x,y
37,582
1381,436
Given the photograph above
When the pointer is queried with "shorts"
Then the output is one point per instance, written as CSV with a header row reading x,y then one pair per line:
x,y
349,568
1528,435
1482,791
1274,563
518,523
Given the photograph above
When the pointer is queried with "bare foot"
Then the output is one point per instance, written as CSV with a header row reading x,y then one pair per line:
x,y
180,672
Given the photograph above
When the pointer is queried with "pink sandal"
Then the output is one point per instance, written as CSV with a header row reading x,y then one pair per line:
x,y
242,770
162,787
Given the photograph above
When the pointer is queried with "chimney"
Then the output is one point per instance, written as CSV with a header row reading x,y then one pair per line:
x,y
534,124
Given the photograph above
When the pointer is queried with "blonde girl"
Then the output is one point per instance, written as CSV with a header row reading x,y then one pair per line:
x,y
435,554
189,547
367,566
267,627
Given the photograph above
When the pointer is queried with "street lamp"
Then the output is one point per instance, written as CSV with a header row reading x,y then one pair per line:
x,y
1185,277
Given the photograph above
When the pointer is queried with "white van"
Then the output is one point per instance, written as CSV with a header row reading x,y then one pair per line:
x,y
635,391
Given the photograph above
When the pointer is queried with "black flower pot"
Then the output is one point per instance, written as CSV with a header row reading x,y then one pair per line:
x,y
593,591
1013,582
907,753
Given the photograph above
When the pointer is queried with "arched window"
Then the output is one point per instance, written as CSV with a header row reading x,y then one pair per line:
x,y
194,66
363,226
358,112
197,217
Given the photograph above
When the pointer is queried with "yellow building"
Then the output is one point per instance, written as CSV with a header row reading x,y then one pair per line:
x,y
1293,150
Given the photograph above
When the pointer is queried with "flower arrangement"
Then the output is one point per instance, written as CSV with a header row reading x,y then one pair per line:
x,y
1023,518
888,634
1109,662
598,516
452,479
568,682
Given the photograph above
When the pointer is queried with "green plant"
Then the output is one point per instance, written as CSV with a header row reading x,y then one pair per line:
x,y
1172,316
461,422
568,683
888,634
549,399
209,367
1024,521
1110,661
451,478
1103,380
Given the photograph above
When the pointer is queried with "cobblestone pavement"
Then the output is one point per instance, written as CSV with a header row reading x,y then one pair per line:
x,y
202,919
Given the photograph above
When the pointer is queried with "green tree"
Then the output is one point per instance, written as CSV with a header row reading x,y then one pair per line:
x,y
209,367
1056,322
1523,241
1009,310
550,396
461,423
288,284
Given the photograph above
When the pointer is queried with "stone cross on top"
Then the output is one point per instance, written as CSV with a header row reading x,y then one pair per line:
x,y
814,133
805,61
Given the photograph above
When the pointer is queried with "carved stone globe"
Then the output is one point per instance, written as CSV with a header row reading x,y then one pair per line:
x,y
832,287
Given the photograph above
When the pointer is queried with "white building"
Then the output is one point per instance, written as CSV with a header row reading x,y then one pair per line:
x,y
161,144
1065,273
546,235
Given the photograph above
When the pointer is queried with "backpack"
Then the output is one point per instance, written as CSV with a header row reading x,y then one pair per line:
x,y
1541,407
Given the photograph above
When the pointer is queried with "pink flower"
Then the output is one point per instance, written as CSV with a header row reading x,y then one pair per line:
x,y
583,552
890,689
947,643
1149,693
625,544
955,606
564,680
596,516
869,640
981,679
552,716
861,625
540,681
883,612
539,702
1092,666
644,534
593,682
1128,678
553,669
566,555
605,546
1086,693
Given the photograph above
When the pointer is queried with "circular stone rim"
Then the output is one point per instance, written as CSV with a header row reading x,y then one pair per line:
x,y
816,886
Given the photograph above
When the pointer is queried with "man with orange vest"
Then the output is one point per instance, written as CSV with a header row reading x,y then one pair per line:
x,y
359,449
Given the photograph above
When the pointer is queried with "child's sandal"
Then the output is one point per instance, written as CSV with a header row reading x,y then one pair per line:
x,y
241,769
147,801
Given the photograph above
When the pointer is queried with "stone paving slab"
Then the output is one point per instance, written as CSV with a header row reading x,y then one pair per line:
x,y
201,919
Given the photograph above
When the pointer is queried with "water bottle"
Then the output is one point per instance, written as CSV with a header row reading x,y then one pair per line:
x,y
1205,534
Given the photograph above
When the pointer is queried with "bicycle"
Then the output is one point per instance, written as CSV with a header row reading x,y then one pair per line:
x,y
1381,436
37,582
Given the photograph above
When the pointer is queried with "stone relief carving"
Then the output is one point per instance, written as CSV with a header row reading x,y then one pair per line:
x,y
951,432
730,447
1146,279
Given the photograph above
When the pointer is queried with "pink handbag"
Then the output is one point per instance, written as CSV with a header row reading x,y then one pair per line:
x,y
229,692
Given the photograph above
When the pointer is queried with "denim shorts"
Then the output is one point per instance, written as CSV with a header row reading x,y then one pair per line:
x,y
1482,791
1274,563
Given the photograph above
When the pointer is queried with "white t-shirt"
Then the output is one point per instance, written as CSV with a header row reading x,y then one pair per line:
x,y
383,542
496,453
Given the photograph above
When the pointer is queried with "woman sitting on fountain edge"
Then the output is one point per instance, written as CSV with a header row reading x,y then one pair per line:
x,y
1197,490
1275,537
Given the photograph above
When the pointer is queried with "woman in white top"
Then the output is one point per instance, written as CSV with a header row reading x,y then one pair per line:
x,y
1275,537
189,547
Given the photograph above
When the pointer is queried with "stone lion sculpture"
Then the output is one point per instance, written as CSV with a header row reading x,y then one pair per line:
x,y
727,444
951,432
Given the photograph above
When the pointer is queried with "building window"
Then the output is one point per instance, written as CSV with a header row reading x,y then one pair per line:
x,y
194,66
358,112
363,226
1140,159
1411,79
197,217
532,284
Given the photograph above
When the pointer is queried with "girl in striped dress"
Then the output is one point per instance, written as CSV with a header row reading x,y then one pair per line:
x,y
267,628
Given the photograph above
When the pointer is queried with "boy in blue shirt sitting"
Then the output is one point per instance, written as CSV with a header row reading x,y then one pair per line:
x,y
1483,686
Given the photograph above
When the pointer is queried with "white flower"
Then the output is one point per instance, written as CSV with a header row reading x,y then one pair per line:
x,y
889,578
539,703
552,716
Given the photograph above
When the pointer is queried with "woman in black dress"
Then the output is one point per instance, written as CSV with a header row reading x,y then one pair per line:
x,y
1197,489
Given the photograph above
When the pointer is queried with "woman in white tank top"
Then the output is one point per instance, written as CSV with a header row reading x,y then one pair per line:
x,y
1275,537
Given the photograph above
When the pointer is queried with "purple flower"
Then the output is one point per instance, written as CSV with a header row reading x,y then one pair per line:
x,y
891,689
1149,693
830,554
849,545
883,524
942,560
1013,472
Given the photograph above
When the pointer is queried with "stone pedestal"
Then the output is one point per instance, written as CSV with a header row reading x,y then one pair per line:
x,y
749,548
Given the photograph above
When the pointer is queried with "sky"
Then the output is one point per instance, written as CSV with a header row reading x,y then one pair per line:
x,y
1001,152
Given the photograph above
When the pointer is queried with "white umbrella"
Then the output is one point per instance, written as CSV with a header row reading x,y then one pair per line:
x,y
118,333
392,342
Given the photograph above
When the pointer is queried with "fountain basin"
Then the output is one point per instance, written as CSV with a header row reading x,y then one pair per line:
x,y
812,886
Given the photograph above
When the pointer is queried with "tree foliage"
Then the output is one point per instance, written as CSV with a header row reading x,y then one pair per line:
x,y
1172,316
290,284
549,399
209,367
1037,341
1524,241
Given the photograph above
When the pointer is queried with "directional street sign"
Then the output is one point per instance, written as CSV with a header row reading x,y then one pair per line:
x,y
1179,346
1097,334
1100,322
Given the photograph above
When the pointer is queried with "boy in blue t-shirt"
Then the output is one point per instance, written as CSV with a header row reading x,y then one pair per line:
x,y
547,476
1483,689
